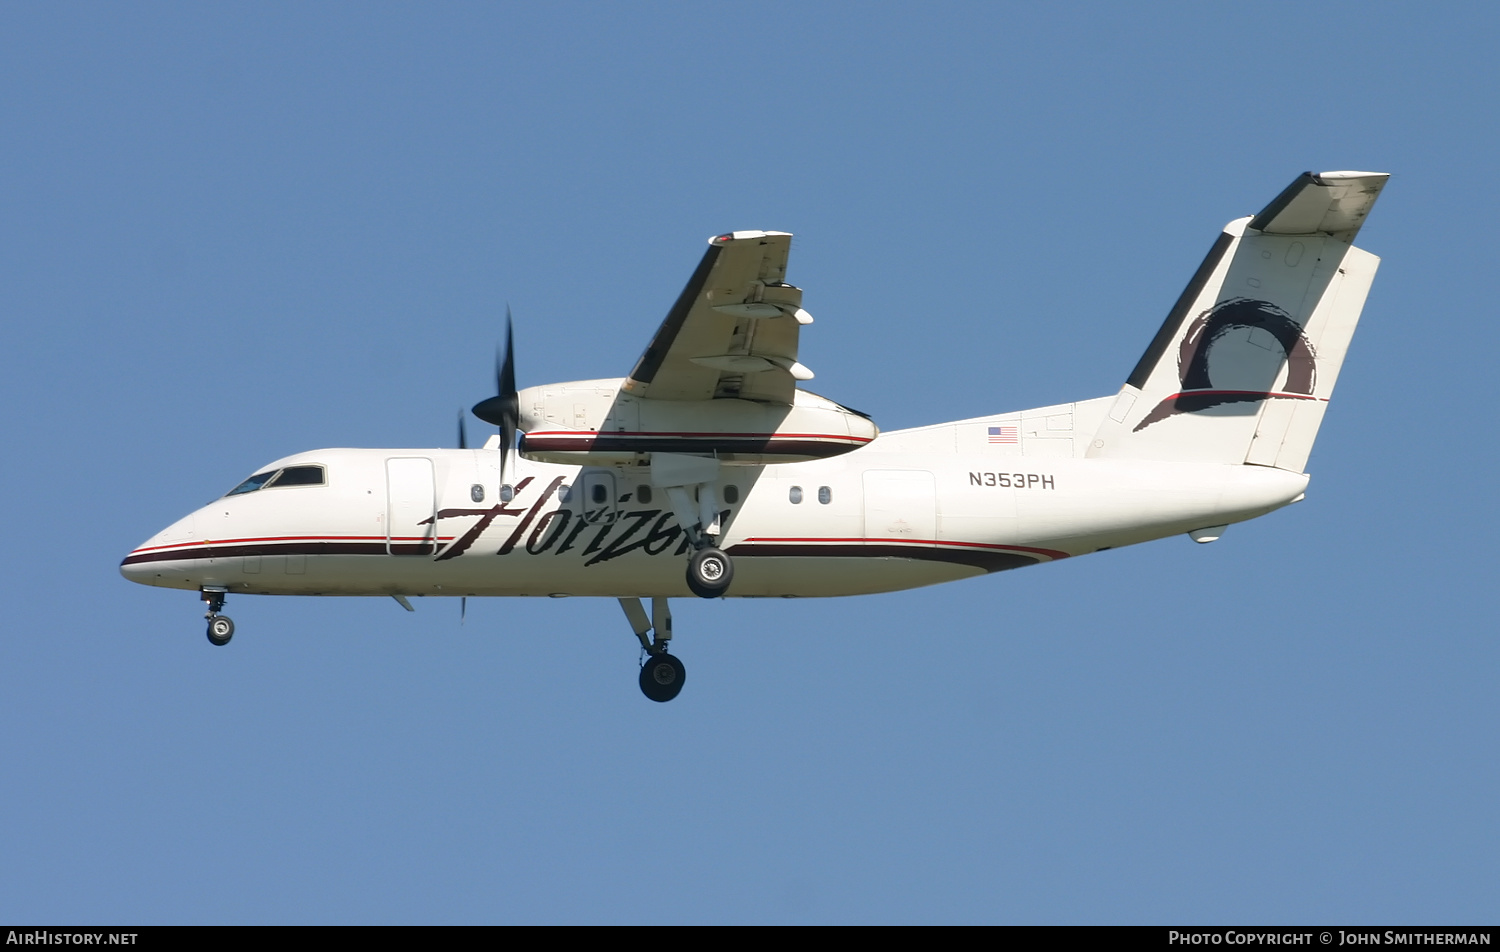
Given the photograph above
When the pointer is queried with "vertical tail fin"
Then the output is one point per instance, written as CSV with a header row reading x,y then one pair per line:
x,y
1243,367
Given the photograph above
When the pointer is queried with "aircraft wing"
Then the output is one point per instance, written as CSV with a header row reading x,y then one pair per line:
x,y
733,331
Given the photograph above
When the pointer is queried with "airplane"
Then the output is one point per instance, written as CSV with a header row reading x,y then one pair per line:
x,y
708,471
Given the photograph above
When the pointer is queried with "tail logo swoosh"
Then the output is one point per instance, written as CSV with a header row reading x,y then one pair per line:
x,y
1198,391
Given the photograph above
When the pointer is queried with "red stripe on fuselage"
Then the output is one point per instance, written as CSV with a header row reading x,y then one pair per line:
x,y
314,538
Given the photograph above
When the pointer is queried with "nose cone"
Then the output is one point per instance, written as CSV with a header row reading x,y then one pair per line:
x,y
146,562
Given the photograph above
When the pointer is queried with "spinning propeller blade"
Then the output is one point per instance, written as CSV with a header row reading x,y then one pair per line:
x,y
504,408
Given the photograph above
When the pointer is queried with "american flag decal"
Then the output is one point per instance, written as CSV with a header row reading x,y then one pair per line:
x,y
1004,434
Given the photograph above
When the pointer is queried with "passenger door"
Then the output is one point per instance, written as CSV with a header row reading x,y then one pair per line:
x,y
410,523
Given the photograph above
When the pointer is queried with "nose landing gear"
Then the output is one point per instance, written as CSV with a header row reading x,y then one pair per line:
x,y
220,627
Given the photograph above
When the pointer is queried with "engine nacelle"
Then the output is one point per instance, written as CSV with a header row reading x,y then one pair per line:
x,y
593,422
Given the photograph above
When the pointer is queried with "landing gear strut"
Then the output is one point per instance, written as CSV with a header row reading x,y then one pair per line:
x,y
662,675
220,627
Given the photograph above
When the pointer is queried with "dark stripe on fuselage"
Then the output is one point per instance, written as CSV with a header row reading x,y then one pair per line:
x,y
987,559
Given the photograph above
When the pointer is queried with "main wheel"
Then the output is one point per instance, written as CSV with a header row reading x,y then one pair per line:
x,y
220,630
709,573
661,677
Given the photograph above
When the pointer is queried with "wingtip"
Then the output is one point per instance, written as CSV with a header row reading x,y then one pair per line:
x,y
1343,177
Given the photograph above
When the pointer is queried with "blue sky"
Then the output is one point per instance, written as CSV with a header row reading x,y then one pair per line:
x,y
234,232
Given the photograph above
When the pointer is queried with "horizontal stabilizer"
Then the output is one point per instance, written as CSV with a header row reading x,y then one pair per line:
x,y
1323,203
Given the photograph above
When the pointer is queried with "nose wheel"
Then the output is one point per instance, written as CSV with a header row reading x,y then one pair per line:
x,y
220,627
661,677
220,630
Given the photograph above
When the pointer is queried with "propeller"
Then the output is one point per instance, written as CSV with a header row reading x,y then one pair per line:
x,y
504,408
463,444
504,411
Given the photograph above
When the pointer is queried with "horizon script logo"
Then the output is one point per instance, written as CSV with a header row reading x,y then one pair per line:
x,y
560,530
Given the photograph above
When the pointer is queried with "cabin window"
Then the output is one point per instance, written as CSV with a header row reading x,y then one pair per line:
x,y
598,494
795,495
564,493
476,493
731,494
644,495
507,492
825,495
300,476
252,484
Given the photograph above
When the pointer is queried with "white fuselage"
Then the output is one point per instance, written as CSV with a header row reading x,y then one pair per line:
x,y
912,508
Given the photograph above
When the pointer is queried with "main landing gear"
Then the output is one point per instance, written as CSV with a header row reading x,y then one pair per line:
x,y
662,675
690,484
709,569
709,572
220,627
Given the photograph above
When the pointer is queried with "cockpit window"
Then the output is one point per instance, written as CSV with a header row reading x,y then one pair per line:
x,y
252,484
291,476
300,476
